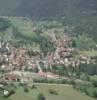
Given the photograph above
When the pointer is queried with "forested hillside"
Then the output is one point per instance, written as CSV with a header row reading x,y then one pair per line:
x,y
48,9
79,14
77,17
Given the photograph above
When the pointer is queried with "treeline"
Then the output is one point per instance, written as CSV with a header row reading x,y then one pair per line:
x,y
4,24
84,42
87,89
90,69
62,70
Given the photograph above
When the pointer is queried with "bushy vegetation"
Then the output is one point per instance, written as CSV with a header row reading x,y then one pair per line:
x,y
53,92
4,24
88,89
33,87
85,42
26,90
54,81
90,69
41,96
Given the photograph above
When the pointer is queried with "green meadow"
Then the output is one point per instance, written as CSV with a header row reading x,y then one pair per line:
x,y
64,93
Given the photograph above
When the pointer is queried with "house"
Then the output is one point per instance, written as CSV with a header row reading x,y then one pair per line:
x,y
5,93
1,85
11,77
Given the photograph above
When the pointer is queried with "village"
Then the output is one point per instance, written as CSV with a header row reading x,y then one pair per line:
x,y
18,65
48,50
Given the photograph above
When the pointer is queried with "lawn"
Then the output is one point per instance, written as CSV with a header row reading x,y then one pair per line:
x,y
64,93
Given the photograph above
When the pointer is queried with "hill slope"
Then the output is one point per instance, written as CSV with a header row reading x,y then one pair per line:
x,y
48,9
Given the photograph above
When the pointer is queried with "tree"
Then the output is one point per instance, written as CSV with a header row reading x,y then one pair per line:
x,y
33,87
41,97
84,42
36,70
73,43
84,76
53,92
95,94
4,24
46,43
26,89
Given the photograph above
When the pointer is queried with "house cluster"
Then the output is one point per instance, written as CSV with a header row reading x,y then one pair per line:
x,y
13,60
16,62
65,54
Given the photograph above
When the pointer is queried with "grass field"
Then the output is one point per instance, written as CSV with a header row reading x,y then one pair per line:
x,y
64,93
88,53
25,27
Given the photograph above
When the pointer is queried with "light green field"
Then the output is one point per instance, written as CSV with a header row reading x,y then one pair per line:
x,y
64,93
24,26
88,53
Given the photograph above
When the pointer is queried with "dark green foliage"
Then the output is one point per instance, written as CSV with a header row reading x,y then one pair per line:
x,y
54,81
94,82
90,69
59,69
4,24
4,98
84,76
95,94
74,43
49,9
53,92
40,80
36,69
26,89
80,14
88,89
33,87
41,97
84,42
46,44
22,84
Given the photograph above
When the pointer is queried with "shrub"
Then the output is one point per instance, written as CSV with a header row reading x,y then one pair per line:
x,y
26,89
22,84
88,89
12,92
51,91
94,82
40,97
33,87
95,94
